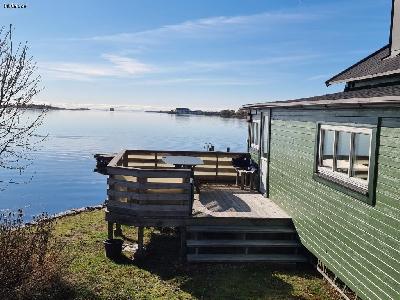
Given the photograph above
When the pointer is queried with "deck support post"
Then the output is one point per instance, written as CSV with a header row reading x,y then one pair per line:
x,y
110,234
118,230
242,180
182,230
140,238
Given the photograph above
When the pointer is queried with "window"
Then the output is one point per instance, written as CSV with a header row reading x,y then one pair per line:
x,y
344,157
265,136
255,134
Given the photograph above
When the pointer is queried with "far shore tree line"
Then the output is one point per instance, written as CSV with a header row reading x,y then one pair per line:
x,y
226,113
230,113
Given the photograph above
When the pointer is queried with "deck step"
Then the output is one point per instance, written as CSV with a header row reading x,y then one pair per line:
x,y
242,229
232,221
274,258
242,243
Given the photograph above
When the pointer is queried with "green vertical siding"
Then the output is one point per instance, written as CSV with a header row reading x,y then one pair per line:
x,y
359,242
254,154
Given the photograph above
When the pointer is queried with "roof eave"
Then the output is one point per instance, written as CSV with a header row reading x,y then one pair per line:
x,y
332,80
388,73
356,102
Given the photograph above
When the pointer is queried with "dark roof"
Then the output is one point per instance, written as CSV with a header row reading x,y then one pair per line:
x,y
383,95
377,64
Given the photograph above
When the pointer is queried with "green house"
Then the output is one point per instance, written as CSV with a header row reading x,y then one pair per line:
x,y
333,163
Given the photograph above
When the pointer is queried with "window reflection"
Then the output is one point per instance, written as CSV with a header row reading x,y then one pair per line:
x,y
343,152
361,156
327,148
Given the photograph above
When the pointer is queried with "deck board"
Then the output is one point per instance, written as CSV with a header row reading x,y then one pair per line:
x,y
230,201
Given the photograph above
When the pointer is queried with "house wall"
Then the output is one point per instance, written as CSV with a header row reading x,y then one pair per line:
x,y
359,242
255,155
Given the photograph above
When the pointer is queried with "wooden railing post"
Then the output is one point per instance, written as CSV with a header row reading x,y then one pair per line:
x,y
111,187
141,190
125,159
118,230
216,167
110,230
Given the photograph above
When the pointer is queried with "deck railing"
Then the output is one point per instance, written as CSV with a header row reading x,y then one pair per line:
x,y
217,165
141,185
148,192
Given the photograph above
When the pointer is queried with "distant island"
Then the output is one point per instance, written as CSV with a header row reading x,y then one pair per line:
x,y
226,113
50,107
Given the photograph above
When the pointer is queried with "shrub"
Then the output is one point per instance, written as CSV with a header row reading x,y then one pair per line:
x,y
30,257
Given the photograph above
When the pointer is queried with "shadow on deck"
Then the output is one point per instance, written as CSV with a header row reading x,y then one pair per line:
x,y
229,201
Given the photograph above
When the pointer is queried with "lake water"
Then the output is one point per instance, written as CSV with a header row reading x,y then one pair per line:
x,y
62,174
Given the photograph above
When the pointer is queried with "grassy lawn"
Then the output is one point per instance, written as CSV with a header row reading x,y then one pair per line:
x,y
162,276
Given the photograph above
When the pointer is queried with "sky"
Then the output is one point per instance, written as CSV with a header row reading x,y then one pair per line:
x,y
200,54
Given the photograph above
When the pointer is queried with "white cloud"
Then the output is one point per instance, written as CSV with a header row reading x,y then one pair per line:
x,y
214,65
211,26
116,66
203,81
128,65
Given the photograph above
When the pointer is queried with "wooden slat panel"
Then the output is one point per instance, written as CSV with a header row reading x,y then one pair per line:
x,y
188,153
208,162
149,197
149,207
284,258
214,170
151,173
151,167
149,159
150,185
148,213
122,218
211,178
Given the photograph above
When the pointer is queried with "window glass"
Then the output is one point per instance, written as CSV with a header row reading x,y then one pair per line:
x,y
327,148
343,152
265,136
361,155
345,156
251,133
256,134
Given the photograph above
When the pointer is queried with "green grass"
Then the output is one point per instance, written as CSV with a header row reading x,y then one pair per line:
x,y
161,275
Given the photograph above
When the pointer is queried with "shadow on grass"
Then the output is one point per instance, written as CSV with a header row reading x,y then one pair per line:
x,y
217,281
58,289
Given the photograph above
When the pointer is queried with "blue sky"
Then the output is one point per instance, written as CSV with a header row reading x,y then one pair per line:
x,y
199,54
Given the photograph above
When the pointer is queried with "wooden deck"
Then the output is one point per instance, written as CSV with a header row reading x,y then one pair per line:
x,y
230,201
221,223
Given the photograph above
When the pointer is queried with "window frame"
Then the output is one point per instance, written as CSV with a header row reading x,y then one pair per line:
x,y
347,184
265,136
253,143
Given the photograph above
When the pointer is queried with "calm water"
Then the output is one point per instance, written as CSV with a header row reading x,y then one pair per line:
x,y
62,171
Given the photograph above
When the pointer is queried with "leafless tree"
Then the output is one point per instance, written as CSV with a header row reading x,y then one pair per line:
x,y
19,84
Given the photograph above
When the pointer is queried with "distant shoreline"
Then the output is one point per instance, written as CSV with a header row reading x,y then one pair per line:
x,y
227,113
50,107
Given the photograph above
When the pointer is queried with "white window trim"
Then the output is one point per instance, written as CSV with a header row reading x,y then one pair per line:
x,y
253,144
346,178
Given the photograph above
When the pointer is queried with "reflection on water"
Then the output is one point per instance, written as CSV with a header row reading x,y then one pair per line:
x,y
62,171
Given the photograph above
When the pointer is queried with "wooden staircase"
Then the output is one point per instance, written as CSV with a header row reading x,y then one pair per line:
x,y
243,240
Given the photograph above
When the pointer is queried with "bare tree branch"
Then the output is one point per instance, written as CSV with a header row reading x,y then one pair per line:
x,y
19,84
